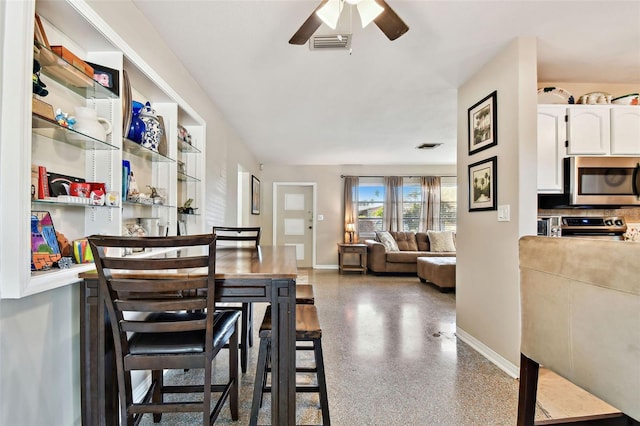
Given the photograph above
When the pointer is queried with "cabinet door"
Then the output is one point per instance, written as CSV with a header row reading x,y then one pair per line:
x,y
625,130
588,130
551,149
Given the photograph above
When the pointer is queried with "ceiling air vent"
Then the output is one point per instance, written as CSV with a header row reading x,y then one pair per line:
x,y
428,145
333,41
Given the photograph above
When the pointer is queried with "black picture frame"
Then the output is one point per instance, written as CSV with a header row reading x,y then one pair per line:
x,y
107,77
483,185
482,123
255,195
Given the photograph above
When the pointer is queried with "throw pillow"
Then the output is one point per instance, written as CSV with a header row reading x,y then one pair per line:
x,y
406,241
441,241
389,242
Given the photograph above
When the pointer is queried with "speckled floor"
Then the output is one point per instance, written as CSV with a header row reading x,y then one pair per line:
x,y
391,358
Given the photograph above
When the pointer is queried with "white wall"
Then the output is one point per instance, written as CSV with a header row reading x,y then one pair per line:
x,y
487,283
39,335
329,198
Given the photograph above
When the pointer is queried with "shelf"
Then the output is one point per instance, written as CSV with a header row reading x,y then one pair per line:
x,y
58,203
189,214
186,178
139,151
134,203
61,71
187,147
52,130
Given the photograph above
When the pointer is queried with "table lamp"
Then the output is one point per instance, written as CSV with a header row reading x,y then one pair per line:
x,y
351,228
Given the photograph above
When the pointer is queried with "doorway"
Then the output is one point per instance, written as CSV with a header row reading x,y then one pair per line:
x,y
294,220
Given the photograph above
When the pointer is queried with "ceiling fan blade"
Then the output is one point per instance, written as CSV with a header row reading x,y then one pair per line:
x,y
389,22
309,27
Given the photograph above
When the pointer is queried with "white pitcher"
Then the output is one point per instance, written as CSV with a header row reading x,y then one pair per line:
x,y
88,123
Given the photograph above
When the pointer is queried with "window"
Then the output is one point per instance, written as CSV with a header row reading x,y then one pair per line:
x,y
371,204
448,203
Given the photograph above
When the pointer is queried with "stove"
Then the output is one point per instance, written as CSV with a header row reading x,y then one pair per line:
x,y
610,227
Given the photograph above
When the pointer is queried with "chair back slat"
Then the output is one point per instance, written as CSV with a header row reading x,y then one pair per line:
x,y
163,327
160,305
238,233
149,285
154,264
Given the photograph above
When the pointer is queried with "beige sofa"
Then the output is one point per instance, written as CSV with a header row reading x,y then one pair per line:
x,y
411,246
580,304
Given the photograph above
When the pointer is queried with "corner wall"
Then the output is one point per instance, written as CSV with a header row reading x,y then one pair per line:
x,y
487,287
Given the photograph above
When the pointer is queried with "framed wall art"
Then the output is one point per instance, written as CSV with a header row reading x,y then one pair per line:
x,y
255,195
483,185
483,124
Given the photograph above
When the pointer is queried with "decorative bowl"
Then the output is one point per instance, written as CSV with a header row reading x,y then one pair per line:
x,y
630,99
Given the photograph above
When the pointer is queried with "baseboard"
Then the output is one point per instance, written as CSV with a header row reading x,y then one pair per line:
x,y
328,267
497,359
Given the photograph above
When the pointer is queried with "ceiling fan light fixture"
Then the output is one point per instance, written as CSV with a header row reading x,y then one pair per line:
x,y
330,12
368,11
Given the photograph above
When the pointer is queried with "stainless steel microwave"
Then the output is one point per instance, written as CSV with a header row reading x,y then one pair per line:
x,y
603,180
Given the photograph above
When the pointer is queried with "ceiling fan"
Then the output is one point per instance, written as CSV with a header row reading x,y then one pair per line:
x,y
328,11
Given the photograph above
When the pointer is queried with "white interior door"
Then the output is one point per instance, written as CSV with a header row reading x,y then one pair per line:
x,y
294,220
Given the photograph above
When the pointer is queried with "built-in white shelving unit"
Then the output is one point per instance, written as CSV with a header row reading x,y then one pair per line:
x,y
28,139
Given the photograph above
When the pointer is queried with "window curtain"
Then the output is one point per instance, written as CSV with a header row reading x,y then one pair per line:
x,y
430,205
351,184
392,203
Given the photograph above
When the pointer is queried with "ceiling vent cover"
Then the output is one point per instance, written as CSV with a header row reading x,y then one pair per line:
x,y
333,41
428,145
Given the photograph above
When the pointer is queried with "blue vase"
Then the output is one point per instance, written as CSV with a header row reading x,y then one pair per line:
x,y
137,128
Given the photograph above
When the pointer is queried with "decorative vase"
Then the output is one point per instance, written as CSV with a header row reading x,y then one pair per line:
x,y
137,128
153,131
88,123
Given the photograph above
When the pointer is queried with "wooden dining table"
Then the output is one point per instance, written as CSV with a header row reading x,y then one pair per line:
x,y
263,274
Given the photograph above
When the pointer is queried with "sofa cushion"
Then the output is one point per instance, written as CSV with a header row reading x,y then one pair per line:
x,y
387,239
441,241
404,256
423,241
406,241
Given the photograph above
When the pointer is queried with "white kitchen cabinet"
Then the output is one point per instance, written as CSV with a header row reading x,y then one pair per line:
x,y
588,130
26,139
625,130
551,147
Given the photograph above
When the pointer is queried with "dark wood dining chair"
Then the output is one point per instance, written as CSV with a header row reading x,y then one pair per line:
x,y
166,322
241,234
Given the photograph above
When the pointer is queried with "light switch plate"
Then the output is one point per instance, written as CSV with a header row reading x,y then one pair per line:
x,y
320,217
504,214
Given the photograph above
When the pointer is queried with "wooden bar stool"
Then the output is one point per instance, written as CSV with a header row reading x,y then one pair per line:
x,y
307,330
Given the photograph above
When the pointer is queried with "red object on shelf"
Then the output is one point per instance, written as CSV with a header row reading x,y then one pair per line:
x,y
43,183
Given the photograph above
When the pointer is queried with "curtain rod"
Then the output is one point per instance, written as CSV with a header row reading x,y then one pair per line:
x,y
370,176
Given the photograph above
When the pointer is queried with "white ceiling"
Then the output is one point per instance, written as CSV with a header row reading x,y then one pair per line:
x,y
374,105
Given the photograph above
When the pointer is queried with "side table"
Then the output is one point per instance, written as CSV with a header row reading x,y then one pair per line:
x,y
360,250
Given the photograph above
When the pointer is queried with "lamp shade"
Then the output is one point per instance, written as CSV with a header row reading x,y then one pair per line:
x,y
351,227
368,11
330,12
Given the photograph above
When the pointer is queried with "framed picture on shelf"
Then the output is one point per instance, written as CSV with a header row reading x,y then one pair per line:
x,y
107,77
45,250
483,185
255,195
483,124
